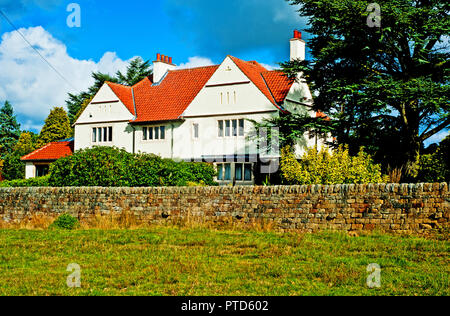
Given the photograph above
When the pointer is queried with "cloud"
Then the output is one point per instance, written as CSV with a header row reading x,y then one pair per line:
x,y
437,138
32,87
234,26
196,61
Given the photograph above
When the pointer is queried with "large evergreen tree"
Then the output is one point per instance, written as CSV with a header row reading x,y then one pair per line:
x,y
9,129
136,71
384,87
25,144
57,127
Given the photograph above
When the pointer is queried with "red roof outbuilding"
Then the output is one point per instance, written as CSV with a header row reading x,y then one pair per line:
x,y
51,152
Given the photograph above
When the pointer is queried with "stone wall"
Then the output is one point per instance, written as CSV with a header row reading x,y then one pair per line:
x,y
389,207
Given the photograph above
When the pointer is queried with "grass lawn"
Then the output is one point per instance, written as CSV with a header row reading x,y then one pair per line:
x,y
175,261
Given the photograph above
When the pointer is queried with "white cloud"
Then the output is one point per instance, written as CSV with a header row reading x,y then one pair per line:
x,y
437,138
196,61
32,87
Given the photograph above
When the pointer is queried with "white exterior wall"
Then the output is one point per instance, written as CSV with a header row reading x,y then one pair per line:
x,y
110,112
30,170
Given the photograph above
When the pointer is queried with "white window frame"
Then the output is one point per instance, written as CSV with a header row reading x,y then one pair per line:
x,y
156,131
100,135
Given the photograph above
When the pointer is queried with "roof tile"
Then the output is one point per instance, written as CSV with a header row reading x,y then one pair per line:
x,y
51,151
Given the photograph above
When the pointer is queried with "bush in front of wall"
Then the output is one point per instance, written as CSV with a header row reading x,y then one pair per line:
x,y
33,182
112,167
65,221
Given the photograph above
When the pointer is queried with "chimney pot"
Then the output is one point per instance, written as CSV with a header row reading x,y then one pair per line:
x,y
170,60
158,57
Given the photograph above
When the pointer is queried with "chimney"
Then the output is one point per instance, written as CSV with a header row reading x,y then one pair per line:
x,y
298,47
161,66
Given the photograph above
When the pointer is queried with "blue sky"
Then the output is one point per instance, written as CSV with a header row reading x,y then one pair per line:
x,y
193,32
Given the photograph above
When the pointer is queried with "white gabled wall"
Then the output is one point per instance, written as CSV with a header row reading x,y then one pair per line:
x,y
112,113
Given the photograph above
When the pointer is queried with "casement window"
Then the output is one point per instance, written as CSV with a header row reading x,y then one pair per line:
x,y
243,172
231,128
154,133
102,134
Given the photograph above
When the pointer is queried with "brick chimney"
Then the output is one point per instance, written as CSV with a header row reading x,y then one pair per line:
x,y
298,46
161,66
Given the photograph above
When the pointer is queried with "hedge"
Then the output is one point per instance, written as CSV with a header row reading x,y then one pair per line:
x,y
34,182
112,167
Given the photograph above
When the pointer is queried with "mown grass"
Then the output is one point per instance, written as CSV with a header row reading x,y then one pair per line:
x,y
181,261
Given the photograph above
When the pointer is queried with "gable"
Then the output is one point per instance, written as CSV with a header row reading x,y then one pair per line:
x,y
107,106
230,91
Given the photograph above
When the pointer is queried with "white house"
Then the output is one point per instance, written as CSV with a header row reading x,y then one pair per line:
x,y
197,114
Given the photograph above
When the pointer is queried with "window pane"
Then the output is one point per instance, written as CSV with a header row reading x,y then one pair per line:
x,y
163,132
94,134
238,172
241,127
220,172
156,133
235,131
220,128
110,135
100,138
227,171
144,133
150,133
248,172
105,134
196,131
227,128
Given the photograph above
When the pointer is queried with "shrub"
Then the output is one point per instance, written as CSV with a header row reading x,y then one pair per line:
x,y
112,167
34,182
13,168
324,167
435,167
65,221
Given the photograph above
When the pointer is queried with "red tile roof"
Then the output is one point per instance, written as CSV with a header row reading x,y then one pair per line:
x,y
168,100
124,93
50,152
279,84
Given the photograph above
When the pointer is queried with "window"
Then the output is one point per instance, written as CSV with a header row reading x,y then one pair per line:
x,y
241,127
196,131
227,128
42,171
238,172
227,172
220,128
235,130
248,172
102,134
220,172
154,133
231,128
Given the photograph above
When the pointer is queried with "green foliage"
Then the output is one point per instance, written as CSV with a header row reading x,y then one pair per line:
x,y
111,167
13,168
25,144
33,182
384,88
436,167
57,127
9,129
323,167
65,221
136,71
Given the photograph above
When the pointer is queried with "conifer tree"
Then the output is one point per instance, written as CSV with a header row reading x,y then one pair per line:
x,y
9,129
57,127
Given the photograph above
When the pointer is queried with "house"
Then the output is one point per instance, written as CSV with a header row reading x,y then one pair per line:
x,y
198,114
37,163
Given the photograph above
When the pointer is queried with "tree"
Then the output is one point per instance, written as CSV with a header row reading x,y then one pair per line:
x,y
435,167
25,144
13,168
57,127
136,71
9,129
385,88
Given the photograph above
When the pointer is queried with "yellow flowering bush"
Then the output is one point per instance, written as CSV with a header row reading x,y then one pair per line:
x,y
329,167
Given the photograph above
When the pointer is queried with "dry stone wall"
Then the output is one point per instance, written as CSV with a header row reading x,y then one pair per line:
x,y
390,207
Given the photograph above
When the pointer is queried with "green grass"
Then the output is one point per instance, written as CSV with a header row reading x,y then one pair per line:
x,y
173,261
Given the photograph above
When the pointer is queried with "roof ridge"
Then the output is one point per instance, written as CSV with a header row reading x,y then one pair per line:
x,y
183,69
